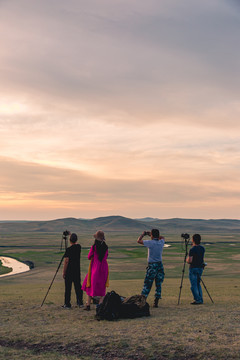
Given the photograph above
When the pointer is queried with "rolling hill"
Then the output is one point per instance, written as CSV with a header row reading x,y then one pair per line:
x,y
123,224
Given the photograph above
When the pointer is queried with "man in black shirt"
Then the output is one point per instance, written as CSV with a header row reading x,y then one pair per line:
x,y
196,261
71,272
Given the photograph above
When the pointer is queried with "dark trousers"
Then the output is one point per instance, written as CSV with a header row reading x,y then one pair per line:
x,y
76,280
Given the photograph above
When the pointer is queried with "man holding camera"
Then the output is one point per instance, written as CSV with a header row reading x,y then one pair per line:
x,y
196,261
155,270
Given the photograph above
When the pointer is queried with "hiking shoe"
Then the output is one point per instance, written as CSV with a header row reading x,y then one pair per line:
x,y
155,305
66,307
196,303
87,308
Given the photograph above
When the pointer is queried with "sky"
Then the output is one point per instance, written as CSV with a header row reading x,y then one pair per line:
x,y
123,107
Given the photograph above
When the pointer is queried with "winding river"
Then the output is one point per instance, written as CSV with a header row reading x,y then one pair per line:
x,y
16,266
19,267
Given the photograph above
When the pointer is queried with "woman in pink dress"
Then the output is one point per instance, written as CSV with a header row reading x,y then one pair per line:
x,y
96,280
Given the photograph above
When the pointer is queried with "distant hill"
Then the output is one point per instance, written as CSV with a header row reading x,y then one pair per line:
x,y
198,225
108,223
148,219
123,224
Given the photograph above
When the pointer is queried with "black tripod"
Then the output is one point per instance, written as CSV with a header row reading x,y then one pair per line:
x,y
186,242
64,237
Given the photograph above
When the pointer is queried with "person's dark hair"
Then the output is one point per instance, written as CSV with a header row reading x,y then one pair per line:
x,y
155,233
197,239
73,238
101,248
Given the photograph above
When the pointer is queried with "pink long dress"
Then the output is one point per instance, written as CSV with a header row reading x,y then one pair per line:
x,y
99,274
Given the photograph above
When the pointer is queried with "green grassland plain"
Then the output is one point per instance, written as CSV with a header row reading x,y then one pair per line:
x,y
172,331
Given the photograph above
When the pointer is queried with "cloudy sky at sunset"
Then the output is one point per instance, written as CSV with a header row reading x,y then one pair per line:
x,y
119,107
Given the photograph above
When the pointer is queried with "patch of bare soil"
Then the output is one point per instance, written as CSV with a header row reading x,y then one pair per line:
x,y
105,351
98,351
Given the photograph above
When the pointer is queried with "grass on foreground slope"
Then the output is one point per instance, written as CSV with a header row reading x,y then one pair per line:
x,y
175,332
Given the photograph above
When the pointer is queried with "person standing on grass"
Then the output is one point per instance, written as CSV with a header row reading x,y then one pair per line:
x,y
71,272
196,261
155,270
97,279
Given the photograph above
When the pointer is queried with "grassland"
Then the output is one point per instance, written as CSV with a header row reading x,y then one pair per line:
x,y
4,269
172,331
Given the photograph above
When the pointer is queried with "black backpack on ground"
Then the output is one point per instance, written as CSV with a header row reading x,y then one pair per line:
x,y
109,309
113,308
134,306
132,311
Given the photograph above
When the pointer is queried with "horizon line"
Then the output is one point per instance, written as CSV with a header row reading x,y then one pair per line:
x,y
139,218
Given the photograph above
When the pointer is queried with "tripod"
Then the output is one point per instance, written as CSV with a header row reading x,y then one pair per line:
x,y
186,242
64,237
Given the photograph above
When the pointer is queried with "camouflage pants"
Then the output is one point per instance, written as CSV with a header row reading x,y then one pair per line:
x,y
155,271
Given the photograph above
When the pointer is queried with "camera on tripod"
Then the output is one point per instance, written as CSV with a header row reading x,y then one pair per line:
x,y
66,233
185,236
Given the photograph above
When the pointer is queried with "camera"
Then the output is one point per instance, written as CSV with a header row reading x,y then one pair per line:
x,y
66,233
185,236
146,233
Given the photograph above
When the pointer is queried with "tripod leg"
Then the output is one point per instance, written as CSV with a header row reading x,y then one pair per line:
x,y
180,289
184,263
52,281
181,281
207,290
